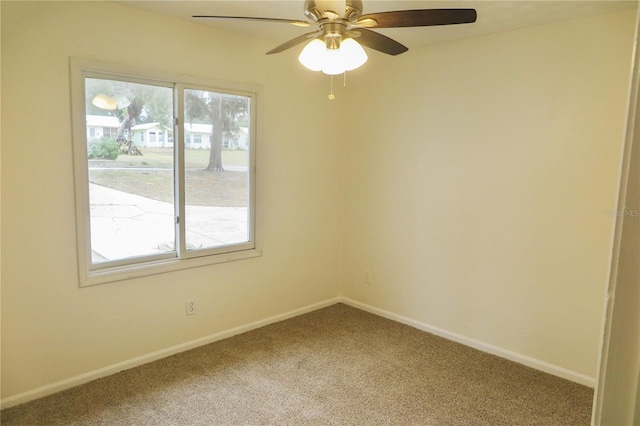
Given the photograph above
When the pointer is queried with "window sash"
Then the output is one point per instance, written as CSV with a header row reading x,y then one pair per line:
x,y
90,273
183,252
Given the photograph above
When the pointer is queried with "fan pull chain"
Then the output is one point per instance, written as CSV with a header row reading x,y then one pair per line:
x,y
331,95
344,84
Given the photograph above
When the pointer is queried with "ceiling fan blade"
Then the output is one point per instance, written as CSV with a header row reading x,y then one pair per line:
x,y
249,18
380,42
293,42
422,18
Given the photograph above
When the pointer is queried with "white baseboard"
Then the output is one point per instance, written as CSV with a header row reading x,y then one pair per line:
x,y
163,353
494,350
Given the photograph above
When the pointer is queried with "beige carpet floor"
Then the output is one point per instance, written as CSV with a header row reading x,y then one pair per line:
x,y
335,366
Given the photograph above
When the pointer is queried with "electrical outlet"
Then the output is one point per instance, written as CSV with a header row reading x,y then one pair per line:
x,y
366,277
191,306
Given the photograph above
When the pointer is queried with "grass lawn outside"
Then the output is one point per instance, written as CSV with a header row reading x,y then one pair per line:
x,y
151,175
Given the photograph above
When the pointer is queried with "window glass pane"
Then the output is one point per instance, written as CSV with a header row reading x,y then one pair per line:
x,y
130,164
217,173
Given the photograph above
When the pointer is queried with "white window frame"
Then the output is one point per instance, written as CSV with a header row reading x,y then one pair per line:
x,y
92,274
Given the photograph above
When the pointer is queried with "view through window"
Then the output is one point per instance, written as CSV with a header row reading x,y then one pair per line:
x,y
157,190
216,169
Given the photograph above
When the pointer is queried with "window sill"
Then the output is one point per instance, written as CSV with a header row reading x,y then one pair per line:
x,y
143,269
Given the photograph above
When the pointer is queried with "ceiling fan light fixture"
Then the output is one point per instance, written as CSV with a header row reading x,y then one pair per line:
x,y
317,57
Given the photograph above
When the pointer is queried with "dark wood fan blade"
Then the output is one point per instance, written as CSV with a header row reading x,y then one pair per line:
x,y
422,18
249,18
293,42
380,42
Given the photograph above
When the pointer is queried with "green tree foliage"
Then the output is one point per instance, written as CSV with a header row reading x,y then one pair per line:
x,y
104,149
223,112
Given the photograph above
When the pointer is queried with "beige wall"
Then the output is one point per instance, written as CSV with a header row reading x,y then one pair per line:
x,y
470,178
51,329
479,175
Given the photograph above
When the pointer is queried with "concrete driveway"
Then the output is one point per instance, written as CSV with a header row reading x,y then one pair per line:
x,y
126,225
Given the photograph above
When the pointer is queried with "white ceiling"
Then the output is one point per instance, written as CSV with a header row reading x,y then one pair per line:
x,y
493,16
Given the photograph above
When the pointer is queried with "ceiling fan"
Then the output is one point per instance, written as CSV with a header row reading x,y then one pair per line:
x,y
340,29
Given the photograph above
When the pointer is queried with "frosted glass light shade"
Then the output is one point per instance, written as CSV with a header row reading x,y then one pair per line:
x,y
353,54
312,56
333,62
316,57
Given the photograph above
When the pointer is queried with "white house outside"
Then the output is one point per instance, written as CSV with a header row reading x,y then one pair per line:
x,y
152,135
102,126
198,136
155,135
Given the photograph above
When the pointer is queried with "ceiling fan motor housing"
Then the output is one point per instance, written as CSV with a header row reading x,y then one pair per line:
x,y
317,10
333,33
353,10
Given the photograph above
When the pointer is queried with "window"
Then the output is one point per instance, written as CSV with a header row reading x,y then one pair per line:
x,y
144,208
